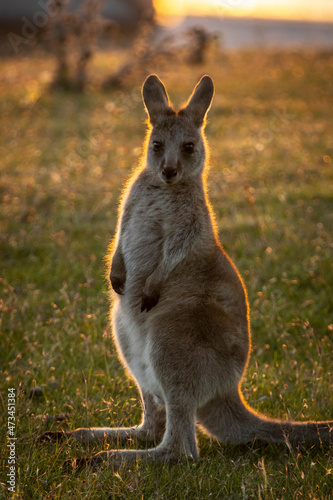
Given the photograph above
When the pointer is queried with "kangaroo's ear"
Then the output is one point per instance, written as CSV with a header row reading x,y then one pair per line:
x,y
200,101
155,97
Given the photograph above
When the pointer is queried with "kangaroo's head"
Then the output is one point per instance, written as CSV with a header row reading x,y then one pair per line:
x,y
176,146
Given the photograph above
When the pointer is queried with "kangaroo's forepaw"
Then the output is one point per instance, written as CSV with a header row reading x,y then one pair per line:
x,y
148,302
118,284
52,436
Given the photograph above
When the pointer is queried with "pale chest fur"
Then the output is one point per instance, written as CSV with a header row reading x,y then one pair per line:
x,y
142,238
155,219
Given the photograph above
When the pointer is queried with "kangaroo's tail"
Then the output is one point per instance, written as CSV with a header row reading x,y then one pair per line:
x,y
231,420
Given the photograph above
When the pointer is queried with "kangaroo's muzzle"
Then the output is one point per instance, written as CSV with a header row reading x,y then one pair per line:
x,y
169,174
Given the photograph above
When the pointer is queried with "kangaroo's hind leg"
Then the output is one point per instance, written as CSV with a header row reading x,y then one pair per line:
x,y
151,430
176,372
179,441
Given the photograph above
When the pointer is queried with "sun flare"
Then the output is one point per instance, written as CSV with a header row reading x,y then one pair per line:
x,y
321,10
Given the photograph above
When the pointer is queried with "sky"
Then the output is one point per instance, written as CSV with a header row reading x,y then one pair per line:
x,y
316,10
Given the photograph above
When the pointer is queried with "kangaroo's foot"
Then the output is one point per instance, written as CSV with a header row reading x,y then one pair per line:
x,y
53,436
116,436
117,458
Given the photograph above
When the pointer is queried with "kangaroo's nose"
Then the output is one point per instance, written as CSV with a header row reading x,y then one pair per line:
x,y
169,173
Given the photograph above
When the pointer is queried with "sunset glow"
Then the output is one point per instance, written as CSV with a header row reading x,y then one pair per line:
x,y
320,10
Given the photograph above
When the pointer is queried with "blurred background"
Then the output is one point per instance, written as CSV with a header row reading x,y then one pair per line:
x,y
161,29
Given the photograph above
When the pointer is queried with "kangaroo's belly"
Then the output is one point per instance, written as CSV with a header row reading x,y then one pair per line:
x,y
135,348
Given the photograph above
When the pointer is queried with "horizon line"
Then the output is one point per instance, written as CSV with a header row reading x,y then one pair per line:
x,y
169,17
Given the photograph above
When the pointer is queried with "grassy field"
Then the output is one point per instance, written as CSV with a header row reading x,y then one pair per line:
x,y
64,160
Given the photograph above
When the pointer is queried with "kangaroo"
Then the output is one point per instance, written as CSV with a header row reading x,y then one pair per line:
x,y
180,312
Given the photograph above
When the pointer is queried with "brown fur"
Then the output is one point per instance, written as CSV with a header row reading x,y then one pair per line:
x,y
180,312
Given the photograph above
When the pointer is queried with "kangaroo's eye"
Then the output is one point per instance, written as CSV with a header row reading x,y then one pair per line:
x,y
189,147
157,145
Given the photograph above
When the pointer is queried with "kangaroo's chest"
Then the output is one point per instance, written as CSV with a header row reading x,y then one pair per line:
x,y
144,235
142,242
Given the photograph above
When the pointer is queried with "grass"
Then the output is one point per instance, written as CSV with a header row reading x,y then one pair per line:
x,y
65,158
